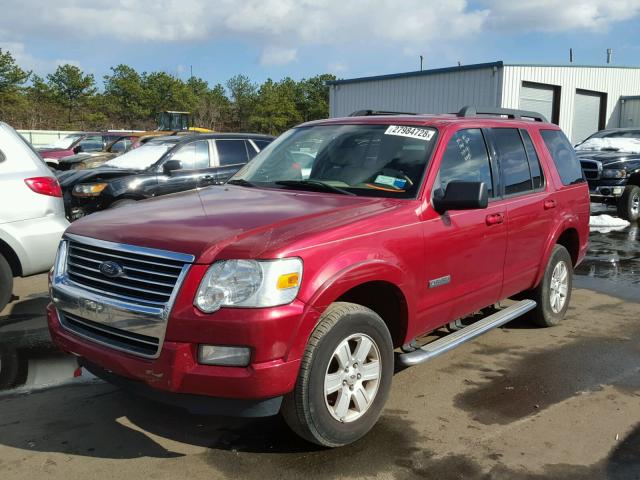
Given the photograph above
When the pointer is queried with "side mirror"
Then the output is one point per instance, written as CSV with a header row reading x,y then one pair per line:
x,y
170,166
77,149
461,195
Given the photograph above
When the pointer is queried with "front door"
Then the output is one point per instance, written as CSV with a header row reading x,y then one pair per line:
x,y
196,169
465,249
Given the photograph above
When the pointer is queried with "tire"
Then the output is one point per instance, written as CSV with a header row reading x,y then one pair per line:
x,y
629,203
545,314
122,203
6,282
12,368
313,415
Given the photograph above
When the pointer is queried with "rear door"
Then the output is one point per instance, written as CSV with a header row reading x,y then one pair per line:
x,y
232,155
464,250
530,207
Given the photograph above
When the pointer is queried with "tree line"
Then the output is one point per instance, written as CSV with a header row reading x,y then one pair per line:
x,y
70,99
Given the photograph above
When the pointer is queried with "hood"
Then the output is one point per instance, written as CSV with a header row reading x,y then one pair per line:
x,y
78,157
204,222
54,152
608,158
69,178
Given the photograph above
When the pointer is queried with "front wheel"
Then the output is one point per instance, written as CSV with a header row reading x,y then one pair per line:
x,y
553,293
629,203
344,377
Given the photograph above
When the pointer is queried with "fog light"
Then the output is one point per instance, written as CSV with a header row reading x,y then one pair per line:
x,y
618,190
223,355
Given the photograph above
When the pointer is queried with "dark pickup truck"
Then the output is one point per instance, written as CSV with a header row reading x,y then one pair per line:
x,y
610,160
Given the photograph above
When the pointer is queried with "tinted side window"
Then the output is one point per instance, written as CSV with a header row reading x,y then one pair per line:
x,y
231,152
194,155
513,160
466,158
262,143
534,161
563,156
251,150
91,144
121,145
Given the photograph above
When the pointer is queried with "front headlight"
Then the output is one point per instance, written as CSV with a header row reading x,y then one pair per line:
x,y
60,264
249,283
613,173
88,189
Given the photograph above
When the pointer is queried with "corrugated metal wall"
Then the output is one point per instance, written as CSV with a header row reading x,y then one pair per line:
x,y
423,93
616,82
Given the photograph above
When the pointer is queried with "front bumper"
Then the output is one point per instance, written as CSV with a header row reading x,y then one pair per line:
x,y
176,369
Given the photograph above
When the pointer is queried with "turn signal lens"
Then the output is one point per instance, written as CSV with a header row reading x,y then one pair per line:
x,y
288,280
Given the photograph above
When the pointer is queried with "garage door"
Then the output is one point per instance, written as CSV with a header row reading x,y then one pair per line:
x,y
537,98
630,116
586,115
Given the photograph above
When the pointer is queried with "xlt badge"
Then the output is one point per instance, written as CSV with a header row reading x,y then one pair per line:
x,y
438,282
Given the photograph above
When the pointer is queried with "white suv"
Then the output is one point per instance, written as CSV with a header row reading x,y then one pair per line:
x,y
31,212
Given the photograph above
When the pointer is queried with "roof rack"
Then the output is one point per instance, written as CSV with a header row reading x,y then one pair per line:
x,y
368,113
513,113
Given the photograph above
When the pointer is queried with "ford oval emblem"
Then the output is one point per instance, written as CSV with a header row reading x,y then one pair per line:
x,y
111,269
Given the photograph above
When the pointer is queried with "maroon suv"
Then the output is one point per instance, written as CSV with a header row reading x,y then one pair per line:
x,y
299,284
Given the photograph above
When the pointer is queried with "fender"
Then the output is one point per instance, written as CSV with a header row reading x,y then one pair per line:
x,y
567,222
14,246
337,285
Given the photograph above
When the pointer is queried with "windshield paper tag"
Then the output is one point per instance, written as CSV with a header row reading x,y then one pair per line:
x,y
391,181
411,132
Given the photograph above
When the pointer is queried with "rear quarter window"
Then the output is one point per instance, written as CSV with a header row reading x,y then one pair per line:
x,y
564,156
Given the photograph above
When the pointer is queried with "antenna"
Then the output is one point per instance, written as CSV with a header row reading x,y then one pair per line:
x,y
609,54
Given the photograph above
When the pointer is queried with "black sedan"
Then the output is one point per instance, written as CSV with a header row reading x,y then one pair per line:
x,y
163,165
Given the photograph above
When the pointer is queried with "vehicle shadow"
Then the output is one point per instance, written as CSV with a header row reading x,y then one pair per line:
x,y
110,424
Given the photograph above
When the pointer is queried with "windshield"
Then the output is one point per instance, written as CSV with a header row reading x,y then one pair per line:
x,y
367,160
627,141
65,142
140,158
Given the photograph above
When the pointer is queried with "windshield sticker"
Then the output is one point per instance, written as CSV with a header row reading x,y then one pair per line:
x,y
391,181
411,132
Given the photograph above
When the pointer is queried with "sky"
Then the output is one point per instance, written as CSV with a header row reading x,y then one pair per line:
x,y
301,38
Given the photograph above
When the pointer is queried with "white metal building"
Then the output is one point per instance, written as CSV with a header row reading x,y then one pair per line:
x,y
581,99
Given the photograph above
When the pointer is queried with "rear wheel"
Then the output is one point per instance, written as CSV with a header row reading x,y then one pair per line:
x,y
6,282
553,293
629,203
344,377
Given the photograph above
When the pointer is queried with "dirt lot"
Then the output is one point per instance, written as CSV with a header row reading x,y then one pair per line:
x,y
519,403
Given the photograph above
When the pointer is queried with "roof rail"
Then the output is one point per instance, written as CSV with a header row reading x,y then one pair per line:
x,y
470,111
368,113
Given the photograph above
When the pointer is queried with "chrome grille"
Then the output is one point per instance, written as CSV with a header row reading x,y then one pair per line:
x,y
591,169
126,307
147,279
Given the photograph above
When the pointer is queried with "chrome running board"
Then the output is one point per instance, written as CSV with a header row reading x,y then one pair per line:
x,y
455,339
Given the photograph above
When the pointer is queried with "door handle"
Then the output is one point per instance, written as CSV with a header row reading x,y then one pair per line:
x,y
548,204
494,219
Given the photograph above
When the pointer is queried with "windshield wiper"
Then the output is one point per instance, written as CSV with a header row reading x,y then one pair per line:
x,y
241,181
313,185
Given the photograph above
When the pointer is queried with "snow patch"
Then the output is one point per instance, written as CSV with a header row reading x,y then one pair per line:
x,y
618,144
607,223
